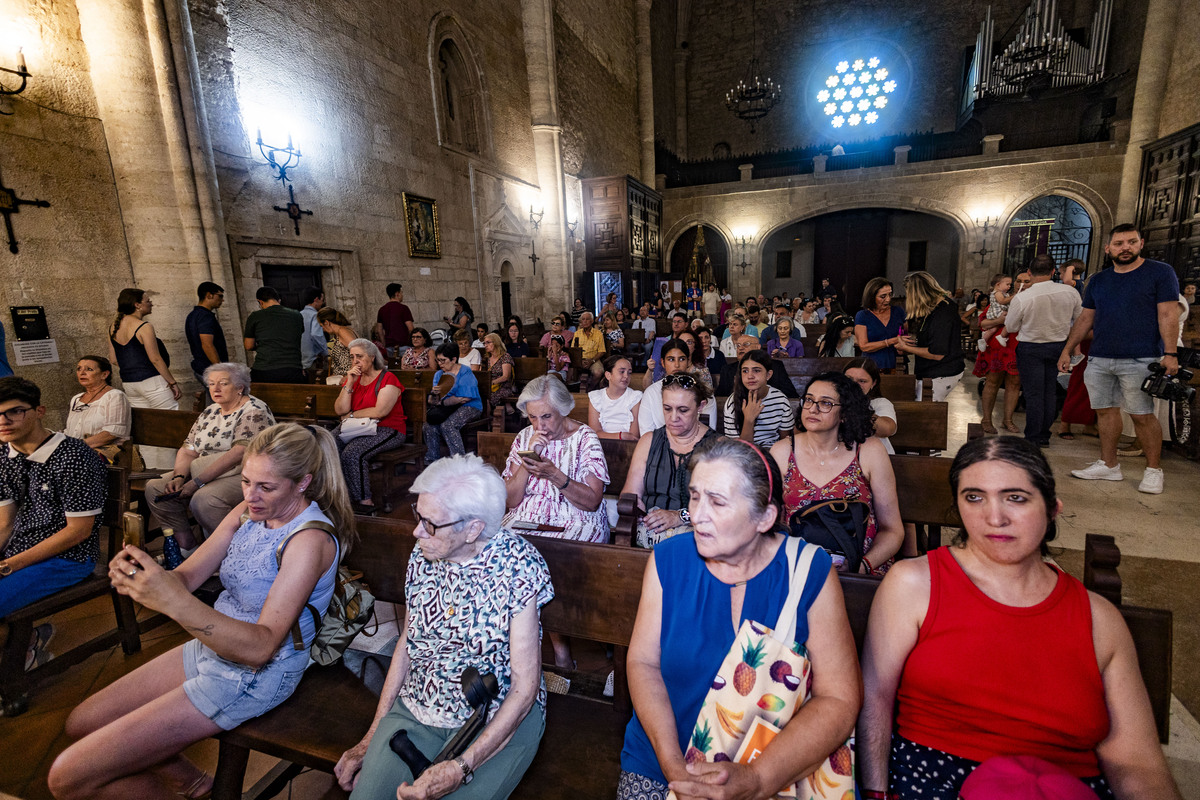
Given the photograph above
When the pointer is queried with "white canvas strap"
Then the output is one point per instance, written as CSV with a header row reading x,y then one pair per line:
x,y
799,565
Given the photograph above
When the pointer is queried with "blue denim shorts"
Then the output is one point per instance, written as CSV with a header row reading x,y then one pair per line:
x,y
1117,383
229,693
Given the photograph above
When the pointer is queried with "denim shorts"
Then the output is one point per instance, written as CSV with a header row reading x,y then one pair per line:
x,y
229,693
1117,383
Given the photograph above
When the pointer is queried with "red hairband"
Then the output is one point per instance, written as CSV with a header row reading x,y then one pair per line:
x,y
770,478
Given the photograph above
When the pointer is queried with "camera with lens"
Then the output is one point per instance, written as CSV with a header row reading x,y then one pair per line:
x,y
1173,387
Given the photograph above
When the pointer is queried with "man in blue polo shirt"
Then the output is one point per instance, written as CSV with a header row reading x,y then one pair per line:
x,y
204,335
1131,310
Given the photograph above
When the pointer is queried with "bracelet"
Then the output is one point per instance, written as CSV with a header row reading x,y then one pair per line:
x,y
172,384
870,569
879,794
563,488
1172,355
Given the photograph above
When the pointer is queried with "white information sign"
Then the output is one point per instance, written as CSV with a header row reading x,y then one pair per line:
x,y
38,351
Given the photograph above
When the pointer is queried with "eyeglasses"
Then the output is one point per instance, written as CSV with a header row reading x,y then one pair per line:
x,y
682,380
429,526
76,407
219,384
14,414
824,406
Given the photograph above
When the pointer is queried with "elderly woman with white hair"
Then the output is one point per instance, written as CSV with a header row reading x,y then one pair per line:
x,y
474,591
207,475
370,392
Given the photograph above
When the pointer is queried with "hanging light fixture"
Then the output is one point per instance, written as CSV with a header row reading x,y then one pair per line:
x,y
755,95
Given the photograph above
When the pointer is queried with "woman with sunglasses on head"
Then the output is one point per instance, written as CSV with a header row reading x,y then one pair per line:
x,y
984,649
658,472
676,357
833,456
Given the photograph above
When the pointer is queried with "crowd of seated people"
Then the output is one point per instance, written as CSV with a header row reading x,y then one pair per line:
x,y
717,504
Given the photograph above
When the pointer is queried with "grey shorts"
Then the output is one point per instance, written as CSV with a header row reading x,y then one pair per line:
x,y
229,693
1117,383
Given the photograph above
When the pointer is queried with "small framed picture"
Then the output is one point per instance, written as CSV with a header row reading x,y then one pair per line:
x,y
421,225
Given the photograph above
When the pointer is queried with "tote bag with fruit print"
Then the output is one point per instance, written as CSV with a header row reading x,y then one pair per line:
x,y
763,681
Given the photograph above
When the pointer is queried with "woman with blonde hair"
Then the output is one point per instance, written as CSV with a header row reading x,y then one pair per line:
x,y
241,661
934,334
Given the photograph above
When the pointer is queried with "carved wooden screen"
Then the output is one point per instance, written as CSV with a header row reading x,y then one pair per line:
x,y
1169,201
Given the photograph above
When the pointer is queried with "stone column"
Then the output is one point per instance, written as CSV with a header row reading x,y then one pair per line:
x,y
991,144
746,172
537,17
901,153
1158,42
645,90
819,163
681,100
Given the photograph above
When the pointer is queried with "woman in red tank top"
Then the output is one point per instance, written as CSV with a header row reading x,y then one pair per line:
x,y
984,649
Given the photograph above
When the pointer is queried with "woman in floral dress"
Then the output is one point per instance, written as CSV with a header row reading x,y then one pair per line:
x,y
420,355
335,325
833,456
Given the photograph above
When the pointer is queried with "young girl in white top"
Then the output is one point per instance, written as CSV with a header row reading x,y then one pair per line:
x,y
613,409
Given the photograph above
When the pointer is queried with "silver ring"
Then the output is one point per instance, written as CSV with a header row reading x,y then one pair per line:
x,y
131,573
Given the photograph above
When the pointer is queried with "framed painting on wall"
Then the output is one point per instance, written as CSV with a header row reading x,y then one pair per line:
x,y
421,225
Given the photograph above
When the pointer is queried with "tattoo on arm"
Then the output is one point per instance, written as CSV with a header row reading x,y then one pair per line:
x,y
207,630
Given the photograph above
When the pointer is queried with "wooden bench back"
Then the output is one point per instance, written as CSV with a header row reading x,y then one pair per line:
x,y
921,427
527,368
901,387
494,448
923,486
289,399
412,379
156,427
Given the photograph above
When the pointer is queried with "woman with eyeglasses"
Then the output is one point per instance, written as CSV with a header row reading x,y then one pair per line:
x,y
420,355
100,415
834,456
370,392
676,357
475,590
206,478
453,402
658,472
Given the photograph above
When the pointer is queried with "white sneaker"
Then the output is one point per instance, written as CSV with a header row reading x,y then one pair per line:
x,y
1099,471
1152,481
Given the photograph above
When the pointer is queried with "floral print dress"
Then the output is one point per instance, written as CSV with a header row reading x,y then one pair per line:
x,y
414,360
850,484
578,456
340,361
503,389
215,432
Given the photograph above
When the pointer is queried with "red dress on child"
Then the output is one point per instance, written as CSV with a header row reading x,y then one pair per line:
x,y
997,357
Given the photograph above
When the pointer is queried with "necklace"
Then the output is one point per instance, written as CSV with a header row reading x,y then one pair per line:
x,y
821,457
88,400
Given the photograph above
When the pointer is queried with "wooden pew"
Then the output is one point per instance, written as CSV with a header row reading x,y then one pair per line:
x,y
15,681
921,427
591,582
896,388
923,488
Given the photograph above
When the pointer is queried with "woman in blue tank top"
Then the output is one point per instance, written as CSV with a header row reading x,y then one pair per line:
x,y
697,591
242,660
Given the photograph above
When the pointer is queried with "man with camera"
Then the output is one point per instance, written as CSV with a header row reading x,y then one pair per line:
x,y
1131,310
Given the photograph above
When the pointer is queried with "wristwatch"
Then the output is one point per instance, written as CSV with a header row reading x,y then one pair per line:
x,y
5,569
468,773
684,516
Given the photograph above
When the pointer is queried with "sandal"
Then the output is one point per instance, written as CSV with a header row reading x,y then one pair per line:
x,y
1068,436
989,428
189,792
1011,426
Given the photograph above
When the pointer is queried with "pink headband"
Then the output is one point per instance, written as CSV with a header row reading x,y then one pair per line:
x,y
770,478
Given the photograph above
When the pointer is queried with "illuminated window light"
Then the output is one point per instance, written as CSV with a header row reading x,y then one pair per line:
x,y
854,94
880,102
864,78
831,81
848,106
871,117
873,63
838,121
823,95
855,119
843,66
830,108
848,79
872,90
880,74
864,104
858,64
856,91
889,87
839,94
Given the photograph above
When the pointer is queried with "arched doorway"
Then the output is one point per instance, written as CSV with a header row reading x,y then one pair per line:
x,y
714,247
1053,225
849,248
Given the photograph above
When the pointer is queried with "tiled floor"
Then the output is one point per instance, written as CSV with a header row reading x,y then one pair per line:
x,y
1158,536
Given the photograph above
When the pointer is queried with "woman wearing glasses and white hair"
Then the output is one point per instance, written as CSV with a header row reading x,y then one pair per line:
x,y
835,456
207,474
659,472
474,590
370,392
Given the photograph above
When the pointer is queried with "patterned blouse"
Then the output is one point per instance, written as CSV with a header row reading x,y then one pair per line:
x,y
339,358
799,491
215,432
414,360
459,616
503,390
578,456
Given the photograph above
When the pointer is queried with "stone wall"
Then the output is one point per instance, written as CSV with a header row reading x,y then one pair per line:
x,y
1180,108
959,191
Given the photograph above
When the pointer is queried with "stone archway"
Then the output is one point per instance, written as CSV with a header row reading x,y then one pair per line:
x,y
1093,203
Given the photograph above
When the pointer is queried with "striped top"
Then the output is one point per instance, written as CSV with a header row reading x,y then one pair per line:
x,y
776,414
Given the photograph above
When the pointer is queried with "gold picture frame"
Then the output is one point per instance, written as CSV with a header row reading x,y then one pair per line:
x,y
421,226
